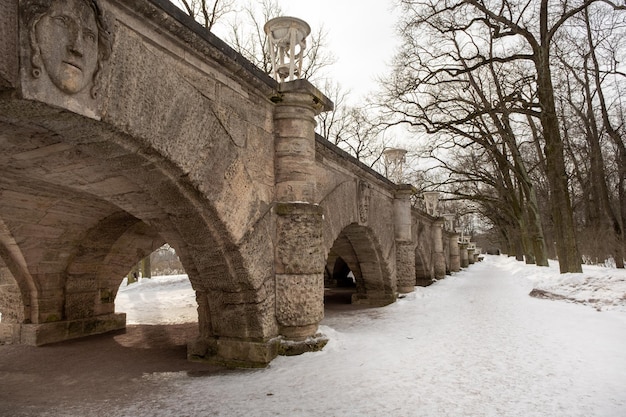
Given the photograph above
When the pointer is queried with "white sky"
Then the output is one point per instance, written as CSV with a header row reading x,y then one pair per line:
x,y
360,35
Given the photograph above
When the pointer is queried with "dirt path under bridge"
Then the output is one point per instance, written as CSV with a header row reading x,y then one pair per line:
x,y
82,376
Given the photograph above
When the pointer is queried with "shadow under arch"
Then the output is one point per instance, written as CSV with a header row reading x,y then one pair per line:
x,y
356,249
104,178
17,286
102,260
423,269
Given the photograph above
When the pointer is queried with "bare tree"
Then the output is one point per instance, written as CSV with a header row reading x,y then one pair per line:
x,y
515,37
246,34
208,12
331,123
247,37
595,143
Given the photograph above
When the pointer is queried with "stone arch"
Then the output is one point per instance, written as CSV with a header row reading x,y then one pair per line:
x,y
357,246
341,271
112,182
101,261
354,237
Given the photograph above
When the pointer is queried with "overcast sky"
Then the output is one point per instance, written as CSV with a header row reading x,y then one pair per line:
x,y
361,36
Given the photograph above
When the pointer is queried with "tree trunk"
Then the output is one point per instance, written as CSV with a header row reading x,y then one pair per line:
x,y
560,204
611,218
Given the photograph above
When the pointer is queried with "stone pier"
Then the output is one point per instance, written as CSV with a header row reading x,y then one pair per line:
x,y
455,253
439,260
170,136
464,255
405,247
299,259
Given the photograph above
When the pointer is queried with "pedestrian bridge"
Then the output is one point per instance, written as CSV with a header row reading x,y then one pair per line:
x,y
125,125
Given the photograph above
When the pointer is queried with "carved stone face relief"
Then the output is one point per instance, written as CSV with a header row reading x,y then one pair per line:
x,y
67,38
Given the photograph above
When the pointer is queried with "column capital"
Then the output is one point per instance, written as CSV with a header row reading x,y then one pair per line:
x,y
404,191
302,93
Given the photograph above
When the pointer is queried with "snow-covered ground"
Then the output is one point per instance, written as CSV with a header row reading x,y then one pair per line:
x,y
159,300
473,344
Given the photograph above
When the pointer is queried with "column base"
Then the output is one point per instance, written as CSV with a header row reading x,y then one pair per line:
x,y
455,263
9,333
233,353
406,289
439,266
58,331
424,282
298,333
297,347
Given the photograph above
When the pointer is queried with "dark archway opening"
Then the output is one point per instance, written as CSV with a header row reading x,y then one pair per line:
x,y
356,272
339,283
423,272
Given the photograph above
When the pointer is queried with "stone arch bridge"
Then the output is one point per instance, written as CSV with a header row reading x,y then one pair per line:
x,y
123,126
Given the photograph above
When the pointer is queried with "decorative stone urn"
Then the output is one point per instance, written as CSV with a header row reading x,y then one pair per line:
x,y
394,159
287,41
431,199
449,221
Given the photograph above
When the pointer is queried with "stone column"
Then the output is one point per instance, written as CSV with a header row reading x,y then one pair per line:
x,y
405,247
470,255
299,259
455,253
464,257
439,260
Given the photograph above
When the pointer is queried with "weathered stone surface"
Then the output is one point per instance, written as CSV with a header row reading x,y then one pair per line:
x,y
9,64
295,142
11,304
233,352
299,237
299,300
9,333
310,344
455,252
405,266
464,255
45,333
173,137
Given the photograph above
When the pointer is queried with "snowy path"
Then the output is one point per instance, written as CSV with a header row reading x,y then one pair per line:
x,y
474,344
